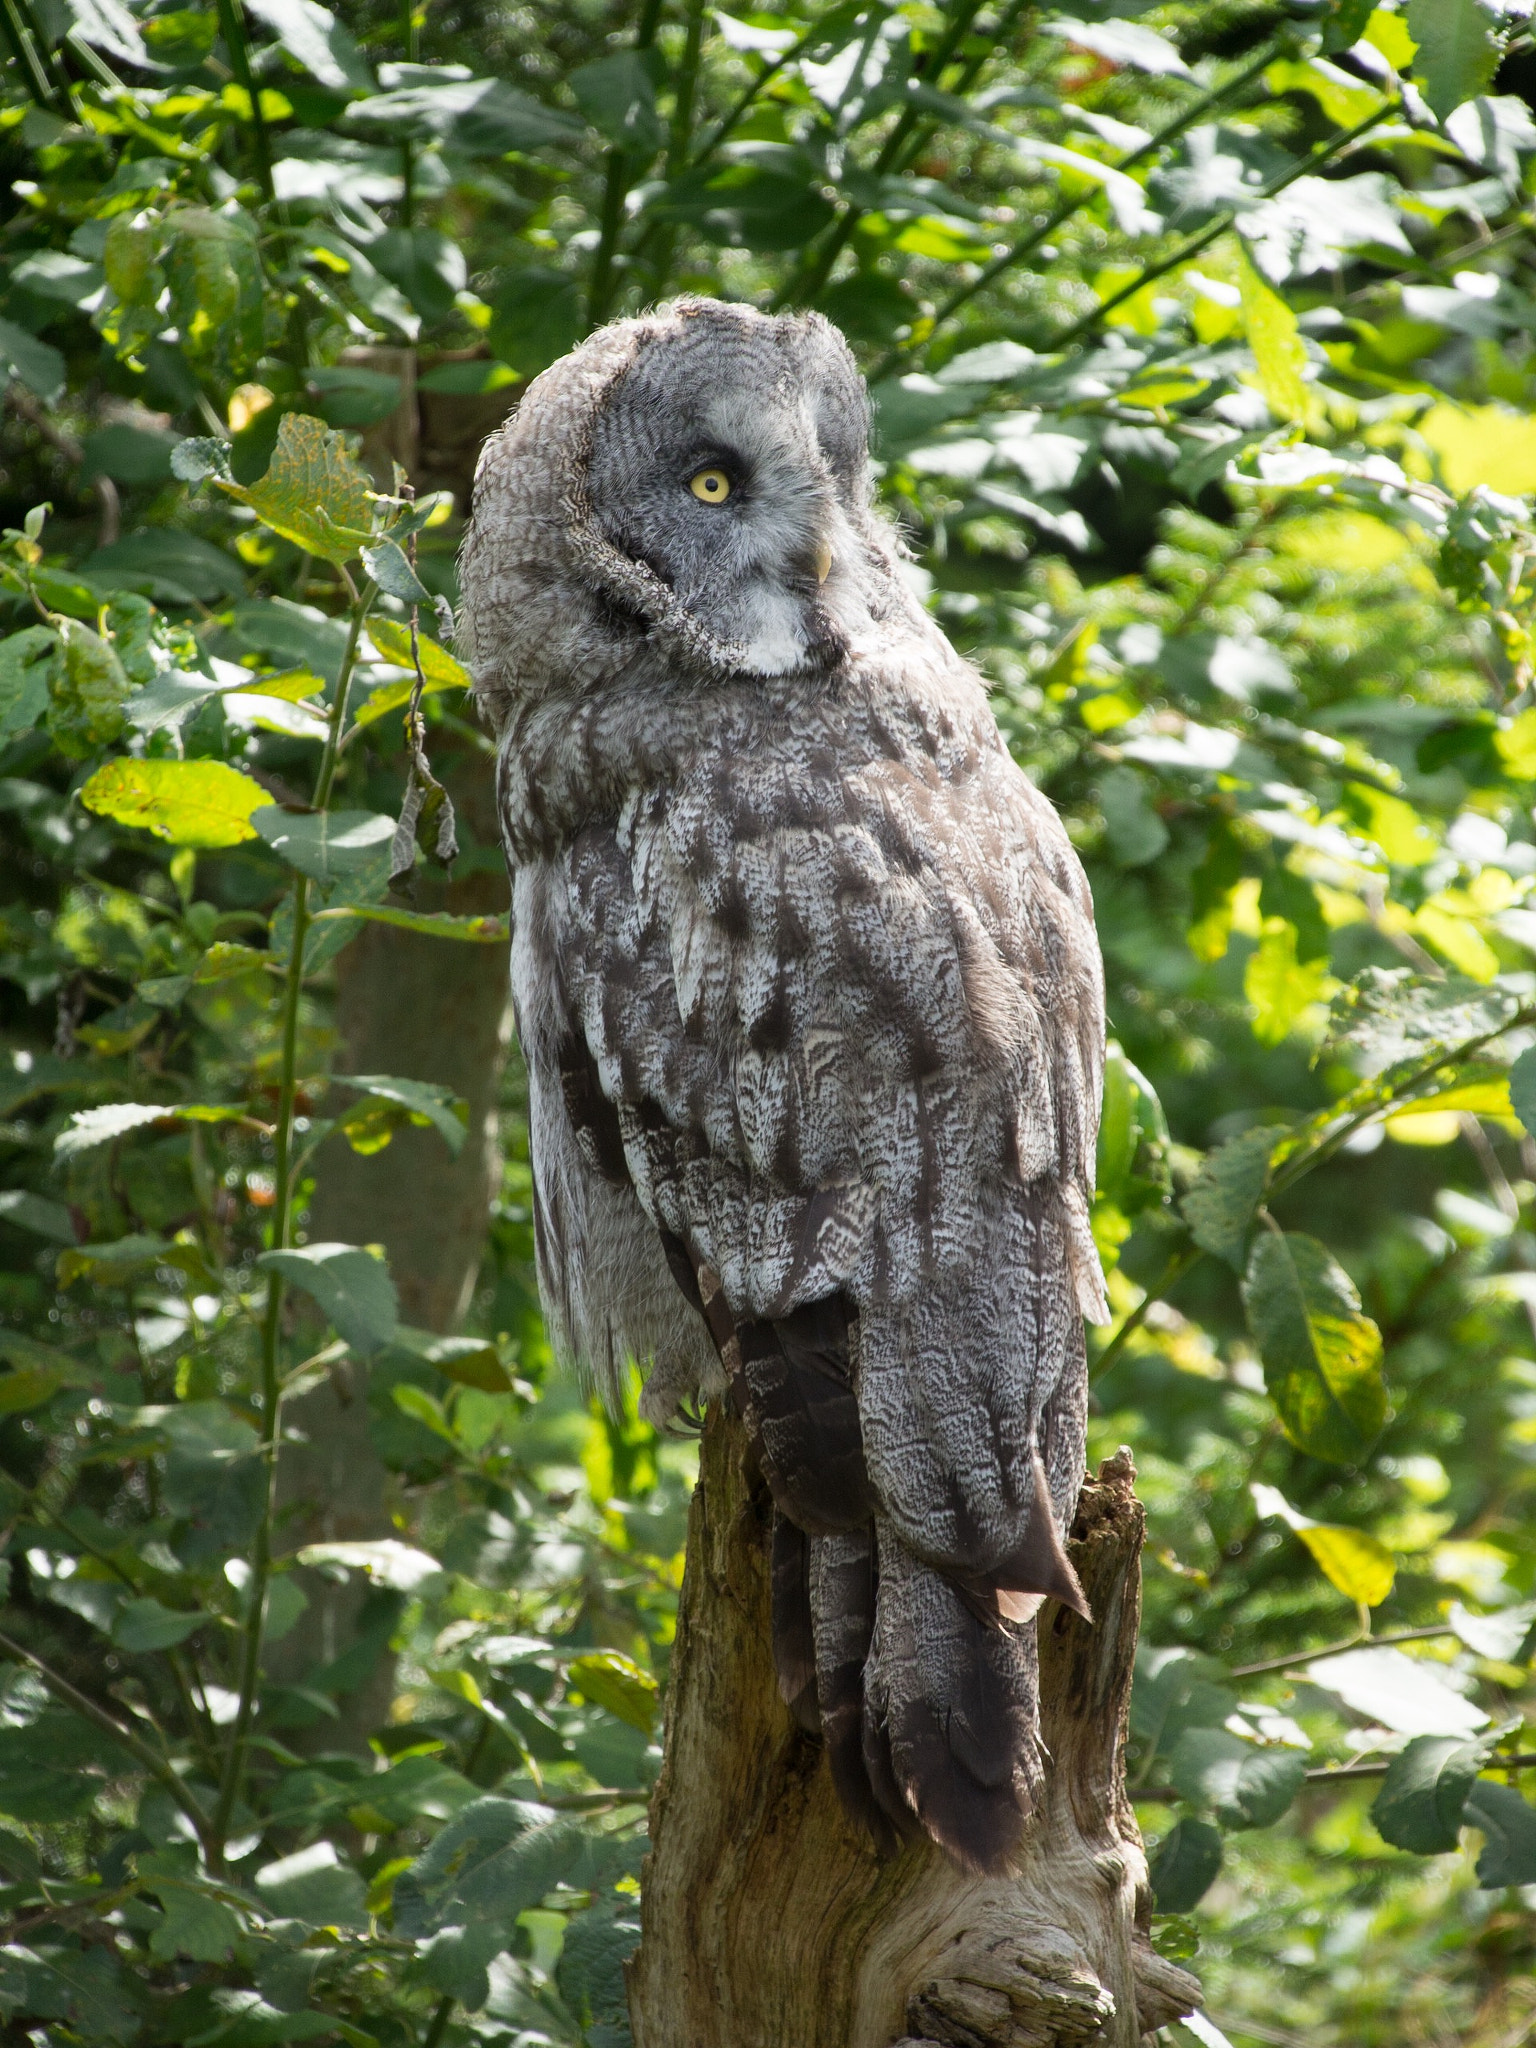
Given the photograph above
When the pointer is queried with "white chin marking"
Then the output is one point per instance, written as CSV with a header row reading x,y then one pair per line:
x,y
774,654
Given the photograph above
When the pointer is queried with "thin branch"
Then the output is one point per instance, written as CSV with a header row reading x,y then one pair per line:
x,y
37,416
1295,1657
1323,153
1063,212
616,183
136,1747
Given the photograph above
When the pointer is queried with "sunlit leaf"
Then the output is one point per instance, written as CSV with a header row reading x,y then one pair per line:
x,y
190,803
616,1682
1458,49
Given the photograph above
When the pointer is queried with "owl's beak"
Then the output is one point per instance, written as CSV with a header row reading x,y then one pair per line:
x,y
822,561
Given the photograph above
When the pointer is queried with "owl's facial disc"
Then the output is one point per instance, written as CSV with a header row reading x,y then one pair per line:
x,y
713,465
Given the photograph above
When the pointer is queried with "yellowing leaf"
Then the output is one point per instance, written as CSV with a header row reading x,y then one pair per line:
x,y
1440,1127
1357,1564
1360,1566
313,493
1279,353
1342,540
392,638
190,803
1344,100
1483,444
1395,826
1389,34
1280,987
1459,940
1517,747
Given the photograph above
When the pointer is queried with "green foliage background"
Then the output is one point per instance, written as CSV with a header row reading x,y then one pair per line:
x,y
1200,342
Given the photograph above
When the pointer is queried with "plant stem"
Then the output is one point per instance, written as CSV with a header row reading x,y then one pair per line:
x,y
437,2026
616,183
814,274
1323,153
232,28
1017,251
26,54
138,1749
1172,1274
282,1226
1402,1635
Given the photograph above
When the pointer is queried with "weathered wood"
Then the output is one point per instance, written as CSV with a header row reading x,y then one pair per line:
x,y
767,1920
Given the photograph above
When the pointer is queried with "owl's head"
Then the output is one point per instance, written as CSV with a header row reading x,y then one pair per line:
x,y
692,485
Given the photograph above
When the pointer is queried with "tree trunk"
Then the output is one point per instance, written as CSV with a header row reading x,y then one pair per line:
x,y
767,1920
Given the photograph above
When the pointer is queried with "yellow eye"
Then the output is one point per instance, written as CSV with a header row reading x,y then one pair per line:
x,y
710,486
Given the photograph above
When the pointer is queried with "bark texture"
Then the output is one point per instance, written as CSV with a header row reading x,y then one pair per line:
x,y
767,1920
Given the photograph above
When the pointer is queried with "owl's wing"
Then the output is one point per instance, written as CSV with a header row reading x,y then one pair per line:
x,y
843,1024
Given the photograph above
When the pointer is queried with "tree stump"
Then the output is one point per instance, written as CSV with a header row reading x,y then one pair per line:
x,y
768,1922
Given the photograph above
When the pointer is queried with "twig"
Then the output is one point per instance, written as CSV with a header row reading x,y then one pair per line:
x,y
1063,212
136,1747
1357,1641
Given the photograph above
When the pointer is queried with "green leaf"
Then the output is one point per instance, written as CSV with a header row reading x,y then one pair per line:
x,y
427,267
618,96
1132,1161
334,848
388,565
213,267
1184,1866
471,1361
1522,1088
1420,1804
1508,1823
146,1625
1244,1785
27,1211
616,1682
535,318
24,665
313,493
1458,50
1322,1356
37,364
423,1103
315,1886
1175,1690
1135,832
1281,987
1279,352
350,1286
195,1925
480,116
313,37
753,195
590,1972
1219,1208
87,688
1385,1686
190,803
1391,1017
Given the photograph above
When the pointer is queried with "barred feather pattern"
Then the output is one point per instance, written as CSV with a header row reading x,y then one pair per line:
x,y
811,1004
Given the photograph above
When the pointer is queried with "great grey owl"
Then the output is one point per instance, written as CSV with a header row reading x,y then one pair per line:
x,y
807,985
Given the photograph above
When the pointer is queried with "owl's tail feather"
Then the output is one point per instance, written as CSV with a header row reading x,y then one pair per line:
x,y
950,1713
794,1642
844,1597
